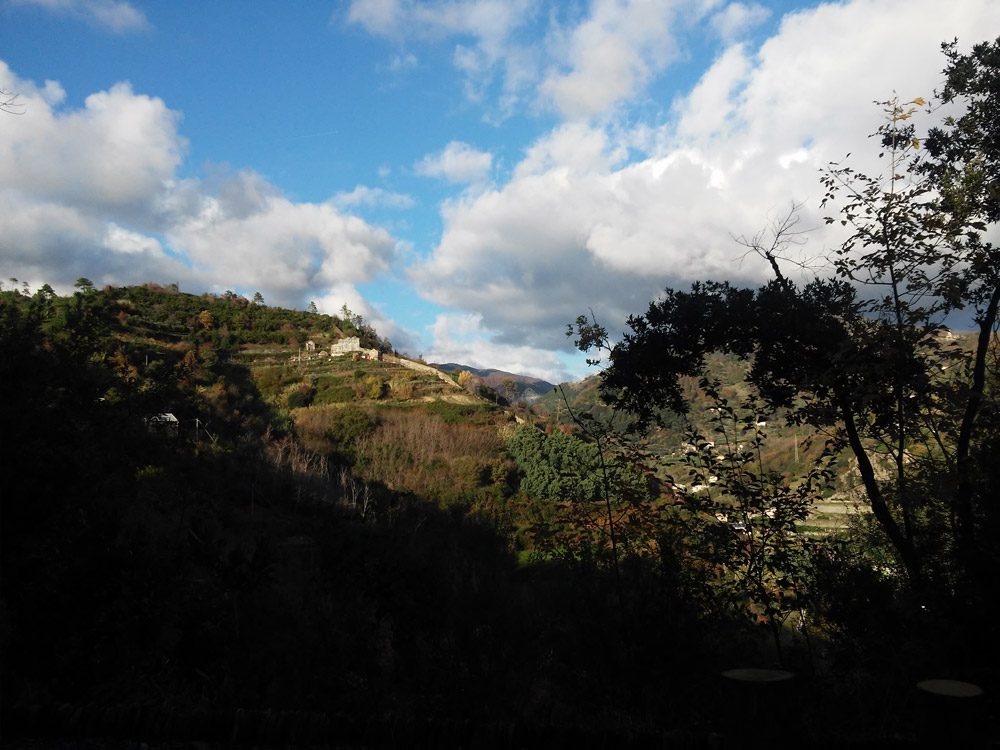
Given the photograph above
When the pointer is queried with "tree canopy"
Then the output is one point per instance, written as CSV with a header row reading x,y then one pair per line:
x,y
862,350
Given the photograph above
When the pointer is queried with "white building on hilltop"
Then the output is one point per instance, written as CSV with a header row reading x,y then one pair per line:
x,y
352,345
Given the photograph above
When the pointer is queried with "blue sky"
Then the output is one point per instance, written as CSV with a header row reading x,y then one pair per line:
x,y
470,175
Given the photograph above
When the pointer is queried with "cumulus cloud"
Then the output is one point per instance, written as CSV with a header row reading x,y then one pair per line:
x,y
116,16
93,191
457,163
579,225
111,155
582,65
123,240
611,55
287,247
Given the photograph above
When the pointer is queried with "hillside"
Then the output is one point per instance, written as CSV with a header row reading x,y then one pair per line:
x,y
788,449
526,389
218,513
223,558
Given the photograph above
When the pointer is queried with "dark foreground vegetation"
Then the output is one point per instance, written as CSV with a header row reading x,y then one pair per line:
x,y
357,553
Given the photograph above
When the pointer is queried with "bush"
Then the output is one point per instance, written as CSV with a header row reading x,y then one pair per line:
x,y
328,381
401,389
339,395
300,397
461,413
347,425
420,453
374,387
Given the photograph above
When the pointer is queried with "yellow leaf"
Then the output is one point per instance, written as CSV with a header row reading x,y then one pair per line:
x,y
919,101
916,143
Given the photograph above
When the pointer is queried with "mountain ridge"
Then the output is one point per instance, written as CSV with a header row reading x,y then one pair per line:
x,y
529,388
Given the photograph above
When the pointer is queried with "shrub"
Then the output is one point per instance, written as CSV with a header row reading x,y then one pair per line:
x,y
328,381
401,389
422,454
339,395
374,387
300,397
268,380
461,413
347,425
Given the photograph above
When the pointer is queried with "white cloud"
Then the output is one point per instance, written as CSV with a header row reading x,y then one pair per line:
x,y
288,248
116,16
122,240
488,22
93,191
363,195
611,55
378,16
457,163
578,226
111,155
583,63
736,19
578,148
487,28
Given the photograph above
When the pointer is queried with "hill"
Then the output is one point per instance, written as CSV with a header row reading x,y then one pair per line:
x,y
527,389
224,519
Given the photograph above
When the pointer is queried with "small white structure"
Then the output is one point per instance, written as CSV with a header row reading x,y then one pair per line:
x,y
310,346
352,345
347,345
163,424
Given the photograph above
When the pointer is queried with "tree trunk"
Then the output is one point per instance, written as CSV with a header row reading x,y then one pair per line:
x,y
902,544
963,500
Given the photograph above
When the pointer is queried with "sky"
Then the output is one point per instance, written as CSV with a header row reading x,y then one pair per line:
x,y
469,175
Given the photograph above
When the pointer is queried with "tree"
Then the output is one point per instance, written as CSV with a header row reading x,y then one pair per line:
x,y
258,298
509,389
863,352
84,284
351,319
741,516
964,152
586,497
964,166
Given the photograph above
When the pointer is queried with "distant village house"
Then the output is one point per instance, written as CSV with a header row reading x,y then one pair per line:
x,y
351,345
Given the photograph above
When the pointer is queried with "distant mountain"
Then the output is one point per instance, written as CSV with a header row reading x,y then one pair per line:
x,y
529,389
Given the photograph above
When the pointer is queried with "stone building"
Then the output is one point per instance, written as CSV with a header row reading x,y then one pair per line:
x,y
351,345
